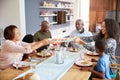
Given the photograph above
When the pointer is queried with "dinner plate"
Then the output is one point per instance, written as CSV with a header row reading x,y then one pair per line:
x,y
83,63
92,53
73,50
47,55
21,64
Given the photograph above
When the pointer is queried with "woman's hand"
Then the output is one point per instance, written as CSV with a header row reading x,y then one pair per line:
x,y
45,41
78,40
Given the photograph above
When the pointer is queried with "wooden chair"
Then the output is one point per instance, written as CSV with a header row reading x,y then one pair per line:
x,y
117,76
116,67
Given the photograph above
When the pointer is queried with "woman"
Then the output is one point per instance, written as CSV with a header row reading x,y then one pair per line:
x,y
13,49
110,34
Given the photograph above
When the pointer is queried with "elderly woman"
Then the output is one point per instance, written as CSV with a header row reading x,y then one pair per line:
x,y
110,34
13,49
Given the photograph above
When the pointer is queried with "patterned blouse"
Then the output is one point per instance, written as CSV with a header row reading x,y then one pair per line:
x,y
110,51
111,43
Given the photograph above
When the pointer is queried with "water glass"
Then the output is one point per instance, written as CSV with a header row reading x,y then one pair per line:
x,y
33,66
33,63
82,56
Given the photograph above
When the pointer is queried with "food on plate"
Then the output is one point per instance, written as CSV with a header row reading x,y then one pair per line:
x,y
31,76
85,62
75,49
42,54
91,52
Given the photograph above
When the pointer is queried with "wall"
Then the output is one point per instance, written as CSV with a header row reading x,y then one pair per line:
x,y
33,20
12,12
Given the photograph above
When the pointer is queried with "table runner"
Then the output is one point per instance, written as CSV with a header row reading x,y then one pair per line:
x,y
49,70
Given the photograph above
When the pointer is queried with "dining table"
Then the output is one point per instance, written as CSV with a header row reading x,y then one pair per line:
x,y
71,72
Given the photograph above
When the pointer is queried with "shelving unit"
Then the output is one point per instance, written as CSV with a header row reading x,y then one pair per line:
x,y
49,9
51,15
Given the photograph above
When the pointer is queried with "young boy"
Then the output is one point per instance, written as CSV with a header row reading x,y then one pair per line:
x,y
102,69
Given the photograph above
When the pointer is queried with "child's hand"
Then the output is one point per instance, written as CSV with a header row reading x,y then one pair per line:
x,y
93,60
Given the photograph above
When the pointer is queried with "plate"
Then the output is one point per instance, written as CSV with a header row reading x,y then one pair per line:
x,y
83,63
41,55
73,50
92,53
21,64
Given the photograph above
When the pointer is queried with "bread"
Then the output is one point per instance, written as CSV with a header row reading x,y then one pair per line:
x,y
31,76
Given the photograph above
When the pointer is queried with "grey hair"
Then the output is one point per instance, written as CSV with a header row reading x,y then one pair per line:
x,y
80,20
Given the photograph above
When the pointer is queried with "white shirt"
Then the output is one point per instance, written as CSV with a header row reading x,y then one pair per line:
x,y
12,52
84,34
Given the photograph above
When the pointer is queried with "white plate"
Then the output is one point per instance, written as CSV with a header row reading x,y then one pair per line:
x,y
71,50
47,55
81,63
21,64
92,53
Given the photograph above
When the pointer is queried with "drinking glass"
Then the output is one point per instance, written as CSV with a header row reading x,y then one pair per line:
x,y
33,63
17,66
82,56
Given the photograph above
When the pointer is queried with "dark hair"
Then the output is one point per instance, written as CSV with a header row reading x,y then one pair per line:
x,y
28,38
112,28
101,45
9,32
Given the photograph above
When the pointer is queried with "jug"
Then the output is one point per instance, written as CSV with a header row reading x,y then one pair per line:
x,y
59,57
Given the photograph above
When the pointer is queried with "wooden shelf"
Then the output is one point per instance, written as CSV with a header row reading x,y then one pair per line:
x,y
47,7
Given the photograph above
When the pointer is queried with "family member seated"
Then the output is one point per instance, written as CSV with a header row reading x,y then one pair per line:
x,y
80,30
110,34
102,69
29,39
43,33
12,49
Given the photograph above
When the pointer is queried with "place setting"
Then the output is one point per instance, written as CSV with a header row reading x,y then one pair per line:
x,y
82,61
21,64
90,53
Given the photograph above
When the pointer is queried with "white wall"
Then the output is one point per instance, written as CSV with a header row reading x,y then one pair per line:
x,y
82,11
12,13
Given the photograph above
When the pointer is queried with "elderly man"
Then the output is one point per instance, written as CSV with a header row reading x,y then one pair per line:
x,y
43,33
80,30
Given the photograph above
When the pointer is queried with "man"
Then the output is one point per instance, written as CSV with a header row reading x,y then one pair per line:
x,y
81,32
43,33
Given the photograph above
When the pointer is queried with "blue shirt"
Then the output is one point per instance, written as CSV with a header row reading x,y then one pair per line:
x,y
103,65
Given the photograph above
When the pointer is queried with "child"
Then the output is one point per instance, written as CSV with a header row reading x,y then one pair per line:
x,y
102,69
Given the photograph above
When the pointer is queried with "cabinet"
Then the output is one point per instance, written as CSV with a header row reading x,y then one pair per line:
x,y
98,9
49,10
